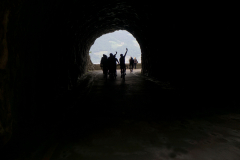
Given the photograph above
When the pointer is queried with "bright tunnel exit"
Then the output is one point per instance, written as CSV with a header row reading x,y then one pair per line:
x,y
114,42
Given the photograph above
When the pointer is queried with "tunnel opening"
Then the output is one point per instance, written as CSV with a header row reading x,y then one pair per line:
x,y
114,42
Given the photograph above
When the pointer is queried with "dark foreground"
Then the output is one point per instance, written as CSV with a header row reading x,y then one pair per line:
x,y
136,119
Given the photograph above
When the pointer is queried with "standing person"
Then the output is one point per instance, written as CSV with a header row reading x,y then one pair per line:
x,y
116,61
122,63
103,64
135,62
112,64
131,63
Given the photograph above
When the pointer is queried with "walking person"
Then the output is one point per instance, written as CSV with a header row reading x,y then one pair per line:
x,y
131,62
135,62
122,63
112,65
104,64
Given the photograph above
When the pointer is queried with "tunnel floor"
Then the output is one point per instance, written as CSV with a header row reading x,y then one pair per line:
x,y
137,119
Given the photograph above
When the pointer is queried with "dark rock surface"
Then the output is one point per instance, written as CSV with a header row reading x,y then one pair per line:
x,y
41,41
140,118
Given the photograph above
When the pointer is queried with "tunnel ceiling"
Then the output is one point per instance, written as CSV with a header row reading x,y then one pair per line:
x,y
105,17
79,25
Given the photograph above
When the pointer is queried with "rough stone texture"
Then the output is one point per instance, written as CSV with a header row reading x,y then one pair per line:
x,y
90,65
190,45
5,88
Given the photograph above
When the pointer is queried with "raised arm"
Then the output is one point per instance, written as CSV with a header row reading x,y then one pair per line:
x,y
115,54
126,52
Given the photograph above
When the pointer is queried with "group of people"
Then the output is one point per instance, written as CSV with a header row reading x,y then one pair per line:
x,y
108,64
132,63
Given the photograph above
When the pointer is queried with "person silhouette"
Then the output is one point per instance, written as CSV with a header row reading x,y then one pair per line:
x,y
103,64
112,64
122,63
135,62
131,63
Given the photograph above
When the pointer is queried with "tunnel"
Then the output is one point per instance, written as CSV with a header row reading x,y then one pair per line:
x,y
45,45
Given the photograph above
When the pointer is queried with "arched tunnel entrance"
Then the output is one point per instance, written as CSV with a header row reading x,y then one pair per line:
x,y
42,42
115,42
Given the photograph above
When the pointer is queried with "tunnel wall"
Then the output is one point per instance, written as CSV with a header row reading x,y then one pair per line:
x,y
45,45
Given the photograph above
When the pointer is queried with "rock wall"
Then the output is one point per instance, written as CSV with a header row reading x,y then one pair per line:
x,y
6,88
45,48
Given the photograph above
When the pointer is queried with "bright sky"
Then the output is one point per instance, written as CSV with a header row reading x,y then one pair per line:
x,y
114,44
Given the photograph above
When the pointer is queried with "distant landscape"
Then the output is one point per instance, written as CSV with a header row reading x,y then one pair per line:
x,y
116,41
